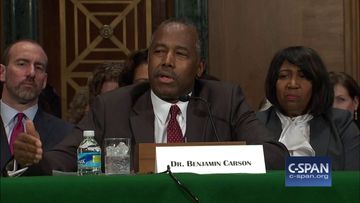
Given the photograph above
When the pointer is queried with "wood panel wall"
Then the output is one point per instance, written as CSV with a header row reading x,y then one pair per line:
x,y
352,37
50,29
244,35
1,30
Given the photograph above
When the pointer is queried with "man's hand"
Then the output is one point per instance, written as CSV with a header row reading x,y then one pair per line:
x,y
27,146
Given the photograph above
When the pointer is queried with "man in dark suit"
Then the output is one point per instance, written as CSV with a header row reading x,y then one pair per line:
x,y
23,75
141,111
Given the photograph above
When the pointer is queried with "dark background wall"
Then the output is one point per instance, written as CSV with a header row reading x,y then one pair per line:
x,y
239,36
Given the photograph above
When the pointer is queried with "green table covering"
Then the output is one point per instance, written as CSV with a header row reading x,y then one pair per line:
x,y
269,187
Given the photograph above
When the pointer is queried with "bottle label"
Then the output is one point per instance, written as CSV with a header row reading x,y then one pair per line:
x,y
89,159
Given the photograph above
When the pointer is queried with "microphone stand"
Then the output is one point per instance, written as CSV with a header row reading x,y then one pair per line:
x,y
186,98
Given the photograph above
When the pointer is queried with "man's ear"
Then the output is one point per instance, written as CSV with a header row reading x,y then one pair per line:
x,y
45,81
2,72
201,68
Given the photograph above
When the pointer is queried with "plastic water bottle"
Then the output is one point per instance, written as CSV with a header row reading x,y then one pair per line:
x,y
89,155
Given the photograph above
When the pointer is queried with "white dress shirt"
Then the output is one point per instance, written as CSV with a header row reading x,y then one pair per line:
x,y
8,115
162,117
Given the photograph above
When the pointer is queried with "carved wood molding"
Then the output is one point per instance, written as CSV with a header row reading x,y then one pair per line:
x,y
97,31
352,38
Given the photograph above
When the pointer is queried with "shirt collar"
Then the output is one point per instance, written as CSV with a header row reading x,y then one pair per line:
x,y
161,107
8,113
302,119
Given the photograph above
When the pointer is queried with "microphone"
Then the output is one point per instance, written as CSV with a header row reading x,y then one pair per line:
x,y
186,98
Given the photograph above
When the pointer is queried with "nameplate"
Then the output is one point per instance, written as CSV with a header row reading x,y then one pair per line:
x,y
211,159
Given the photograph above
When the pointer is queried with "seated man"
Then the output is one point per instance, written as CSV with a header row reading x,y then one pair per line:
x,y
141,111
23,74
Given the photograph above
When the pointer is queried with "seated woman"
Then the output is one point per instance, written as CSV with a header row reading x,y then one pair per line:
x,y
106,77
136,67
301,116
347,94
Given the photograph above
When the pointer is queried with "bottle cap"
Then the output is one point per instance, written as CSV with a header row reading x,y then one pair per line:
x,y
89,133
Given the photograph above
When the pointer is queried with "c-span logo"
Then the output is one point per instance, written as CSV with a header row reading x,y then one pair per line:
x,y
308,172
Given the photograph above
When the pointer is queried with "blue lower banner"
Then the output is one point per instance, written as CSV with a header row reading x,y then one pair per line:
x,y
308,172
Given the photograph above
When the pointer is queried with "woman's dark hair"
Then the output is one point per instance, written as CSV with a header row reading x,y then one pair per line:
x,y
350,84
347,81
134,61
103,73
313,69
78,106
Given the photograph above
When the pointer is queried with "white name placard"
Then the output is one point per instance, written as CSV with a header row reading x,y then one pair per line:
x,y
211,159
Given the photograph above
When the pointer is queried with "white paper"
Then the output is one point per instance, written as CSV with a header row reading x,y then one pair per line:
x,y
215,159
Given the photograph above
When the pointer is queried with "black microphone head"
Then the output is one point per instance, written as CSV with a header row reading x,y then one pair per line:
x,y
184,98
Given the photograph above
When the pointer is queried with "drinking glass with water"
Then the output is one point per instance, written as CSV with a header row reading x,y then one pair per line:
x,y
117,156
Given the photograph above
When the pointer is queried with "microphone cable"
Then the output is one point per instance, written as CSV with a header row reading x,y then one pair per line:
x,y
186,98
182,186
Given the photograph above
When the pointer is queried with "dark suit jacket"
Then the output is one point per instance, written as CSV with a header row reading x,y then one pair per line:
x,y
128,112
4,147
51,130
332,134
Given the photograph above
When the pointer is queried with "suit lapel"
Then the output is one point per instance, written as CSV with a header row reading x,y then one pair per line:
x,y
46,130
198,126
4,146
320,135
196,122
142,120
41,125
273,123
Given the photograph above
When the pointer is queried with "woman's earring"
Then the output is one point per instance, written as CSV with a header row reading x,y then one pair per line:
x,y
355,115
